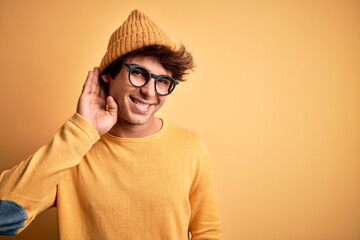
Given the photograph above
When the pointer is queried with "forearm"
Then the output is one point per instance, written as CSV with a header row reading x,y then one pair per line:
x,y
32,184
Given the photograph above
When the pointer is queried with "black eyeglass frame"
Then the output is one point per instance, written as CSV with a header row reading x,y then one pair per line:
x,y
151,75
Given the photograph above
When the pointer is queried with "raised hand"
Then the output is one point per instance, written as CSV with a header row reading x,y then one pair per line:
x,y
97,108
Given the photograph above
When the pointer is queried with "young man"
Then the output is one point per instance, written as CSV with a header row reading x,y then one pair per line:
x,y
114,170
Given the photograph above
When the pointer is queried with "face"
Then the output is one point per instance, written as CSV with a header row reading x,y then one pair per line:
x,y
137,106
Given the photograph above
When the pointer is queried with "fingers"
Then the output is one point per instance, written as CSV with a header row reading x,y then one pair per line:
x,y
112,106
92,84
96,86
102,91
88,82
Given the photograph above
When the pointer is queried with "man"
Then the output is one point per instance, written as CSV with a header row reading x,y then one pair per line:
x,y
114,170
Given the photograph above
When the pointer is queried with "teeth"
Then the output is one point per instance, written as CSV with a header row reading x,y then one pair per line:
x,y
141,105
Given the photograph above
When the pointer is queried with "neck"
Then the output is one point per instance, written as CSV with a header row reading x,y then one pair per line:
x,y
130,130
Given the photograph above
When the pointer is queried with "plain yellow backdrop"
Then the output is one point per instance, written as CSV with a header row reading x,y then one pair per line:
x,y
276,95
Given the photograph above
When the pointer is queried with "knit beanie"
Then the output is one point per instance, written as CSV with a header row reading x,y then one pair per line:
x,y
136,32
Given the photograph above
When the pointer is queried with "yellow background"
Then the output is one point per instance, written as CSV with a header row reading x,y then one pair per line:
x,y
276,95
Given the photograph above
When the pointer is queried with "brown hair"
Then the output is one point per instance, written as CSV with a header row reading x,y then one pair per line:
x,y
178,62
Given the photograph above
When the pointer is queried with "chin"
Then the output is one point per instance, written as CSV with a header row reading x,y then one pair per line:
x,y
140,120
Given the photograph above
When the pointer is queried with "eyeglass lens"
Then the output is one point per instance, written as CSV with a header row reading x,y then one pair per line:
x,y
140,76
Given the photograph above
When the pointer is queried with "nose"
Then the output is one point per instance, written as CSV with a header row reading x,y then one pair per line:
x,y
148,90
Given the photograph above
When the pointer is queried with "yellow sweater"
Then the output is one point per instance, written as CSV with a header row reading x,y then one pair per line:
x,y
157,187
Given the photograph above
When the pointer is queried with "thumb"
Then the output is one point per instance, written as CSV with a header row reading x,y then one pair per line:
x,y
112,107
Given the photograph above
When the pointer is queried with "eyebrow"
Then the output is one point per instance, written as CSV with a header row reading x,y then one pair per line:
x,y
135,64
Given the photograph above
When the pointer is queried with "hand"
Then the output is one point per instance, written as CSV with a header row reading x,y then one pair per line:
x,y
97,108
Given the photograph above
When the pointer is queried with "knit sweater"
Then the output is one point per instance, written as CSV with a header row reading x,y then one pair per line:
x,y
156,187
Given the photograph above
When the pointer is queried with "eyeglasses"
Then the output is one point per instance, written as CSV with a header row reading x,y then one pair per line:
x,y
139,76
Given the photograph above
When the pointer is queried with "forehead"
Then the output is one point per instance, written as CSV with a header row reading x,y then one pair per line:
x,y
151,63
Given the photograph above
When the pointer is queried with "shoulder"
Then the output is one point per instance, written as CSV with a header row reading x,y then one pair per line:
x,y
186,138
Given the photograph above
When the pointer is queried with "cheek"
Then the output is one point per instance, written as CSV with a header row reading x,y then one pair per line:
x,y
117,87
119,84
162,101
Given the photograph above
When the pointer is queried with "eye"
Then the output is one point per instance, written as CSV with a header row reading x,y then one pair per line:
x,y
139,73
164,81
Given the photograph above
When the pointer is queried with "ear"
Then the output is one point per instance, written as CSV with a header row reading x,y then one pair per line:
x,y
105,78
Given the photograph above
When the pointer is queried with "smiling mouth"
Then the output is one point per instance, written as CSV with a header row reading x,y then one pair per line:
x,y
139,105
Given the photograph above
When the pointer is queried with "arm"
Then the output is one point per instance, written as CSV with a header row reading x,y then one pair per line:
x,y
30,187
204,222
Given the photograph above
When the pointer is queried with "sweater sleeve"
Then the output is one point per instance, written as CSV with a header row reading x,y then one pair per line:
x,y
30,188
204,222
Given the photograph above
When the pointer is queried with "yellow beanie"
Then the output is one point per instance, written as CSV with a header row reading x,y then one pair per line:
x,y
136,32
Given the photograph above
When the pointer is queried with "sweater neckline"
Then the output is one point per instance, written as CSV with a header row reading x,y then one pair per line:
x,y
114,138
